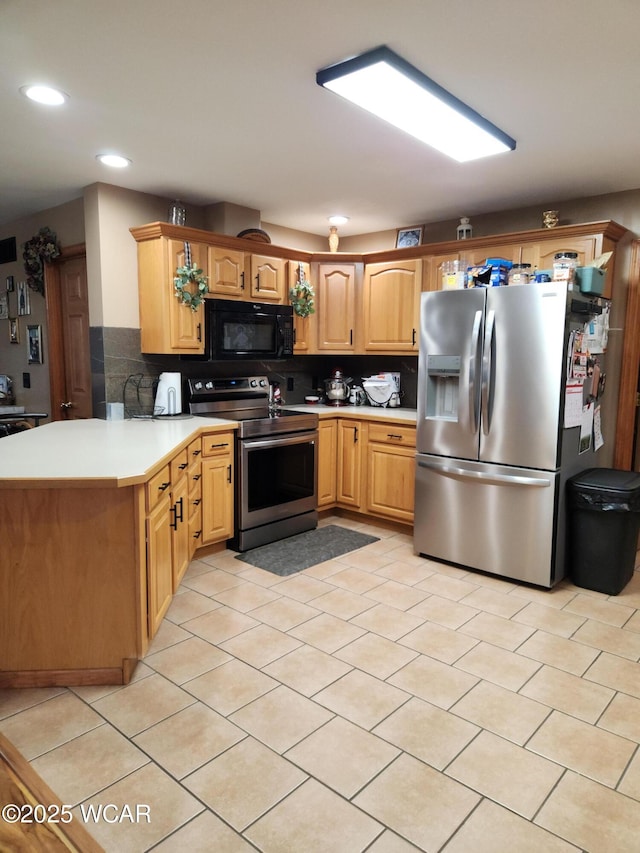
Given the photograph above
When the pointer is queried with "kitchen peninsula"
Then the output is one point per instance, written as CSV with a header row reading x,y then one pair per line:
x,y
80,591
100,519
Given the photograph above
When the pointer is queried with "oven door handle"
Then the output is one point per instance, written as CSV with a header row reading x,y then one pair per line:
x,y
310,436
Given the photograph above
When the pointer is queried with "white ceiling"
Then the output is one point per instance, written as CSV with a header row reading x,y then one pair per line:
x,y
216,100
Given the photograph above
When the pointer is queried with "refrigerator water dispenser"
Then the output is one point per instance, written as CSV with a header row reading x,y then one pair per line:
x,y
443,380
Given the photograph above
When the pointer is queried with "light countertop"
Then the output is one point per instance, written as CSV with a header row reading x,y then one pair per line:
x,y
122,453
108,453
369,413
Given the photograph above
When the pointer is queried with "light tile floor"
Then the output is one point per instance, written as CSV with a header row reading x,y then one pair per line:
x,y
378,702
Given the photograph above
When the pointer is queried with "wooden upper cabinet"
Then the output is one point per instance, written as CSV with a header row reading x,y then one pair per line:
x,y
268,279
303,327
587,249
336,307
166,324
227,275
392,306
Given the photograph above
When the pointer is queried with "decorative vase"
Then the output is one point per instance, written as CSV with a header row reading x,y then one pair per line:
x,y
177,213
464,231
333,239
549,218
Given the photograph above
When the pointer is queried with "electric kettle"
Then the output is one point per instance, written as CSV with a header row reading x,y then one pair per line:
x,y
168,395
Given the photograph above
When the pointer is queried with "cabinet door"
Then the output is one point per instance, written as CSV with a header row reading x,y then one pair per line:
x,y
185,325
390,481
303,327
159,564
267,279
392,306
336,292
226,273
179,530
349,463
217,499
327,460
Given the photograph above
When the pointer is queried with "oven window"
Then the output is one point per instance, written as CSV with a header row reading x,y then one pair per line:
x,y
241,335
281,474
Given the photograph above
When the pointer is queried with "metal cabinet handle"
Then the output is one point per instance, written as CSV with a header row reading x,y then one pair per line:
x,y
258,281
355,435
183,466
413,337
197,452
213,446
242,281
228,473
174,524
199,332
197,501
196,477
197,534
394,435
164,486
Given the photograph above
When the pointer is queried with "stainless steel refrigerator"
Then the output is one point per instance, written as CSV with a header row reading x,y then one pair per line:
x,y
493,448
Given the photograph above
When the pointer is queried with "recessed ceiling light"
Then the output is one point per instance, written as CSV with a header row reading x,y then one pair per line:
x,y
338,220
44,95
113,160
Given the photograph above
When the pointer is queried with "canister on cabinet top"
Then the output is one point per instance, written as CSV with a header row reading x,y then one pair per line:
x,y
564,266
520,274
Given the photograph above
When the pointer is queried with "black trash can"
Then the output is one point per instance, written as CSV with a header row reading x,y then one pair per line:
x,y
604,522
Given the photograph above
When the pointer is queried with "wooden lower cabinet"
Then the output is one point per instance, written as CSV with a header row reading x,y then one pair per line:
x,y
367,467
390,471
217,487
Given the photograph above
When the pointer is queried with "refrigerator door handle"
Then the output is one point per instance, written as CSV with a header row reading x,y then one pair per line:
x,y
493,479
487,390
473,372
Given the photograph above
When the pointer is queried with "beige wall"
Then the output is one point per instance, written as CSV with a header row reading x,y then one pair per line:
x,y
67,221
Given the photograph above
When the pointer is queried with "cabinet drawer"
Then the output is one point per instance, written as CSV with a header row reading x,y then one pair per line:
x,y
179,465
217,443
391,434
195,486
194,451
157,487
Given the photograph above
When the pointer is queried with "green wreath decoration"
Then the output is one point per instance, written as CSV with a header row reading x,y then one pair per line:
x,y
184,278
301,296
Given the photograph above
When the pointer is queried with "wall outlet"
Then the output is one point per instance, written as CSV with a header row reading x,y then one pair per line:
x,y
26,380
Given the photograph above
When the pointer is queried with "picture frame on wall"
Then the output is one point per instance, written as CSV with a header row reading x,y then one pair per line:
x,y
34,344
14,333
407,237
4,307
24,301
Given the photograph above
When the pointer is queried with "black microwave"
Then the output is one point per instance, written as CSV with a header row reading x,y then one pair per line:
x,y
248,330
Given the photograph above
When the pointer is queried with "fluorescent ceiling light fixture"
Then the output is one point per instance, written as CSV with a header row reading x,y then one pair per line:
x,y
388,86
113,160
44,95
338,220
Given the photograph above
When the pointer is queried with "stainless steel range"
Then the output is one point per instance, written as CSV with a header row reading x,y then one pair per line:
x,y
276,458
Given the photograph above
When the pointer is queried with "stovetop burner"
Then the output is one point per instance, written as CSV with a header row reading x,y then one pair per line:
x,y
246,400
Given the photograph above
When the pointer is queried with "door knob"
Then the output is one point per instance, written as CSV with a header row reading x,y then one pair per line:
x,y
67,405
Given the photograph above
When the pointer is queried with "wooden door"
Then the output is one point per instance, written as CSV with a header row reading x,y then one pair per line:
x,y
217,499
327,459
185,325
336,307
349,463
267,278
159,564
392,306
68,330
226,273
